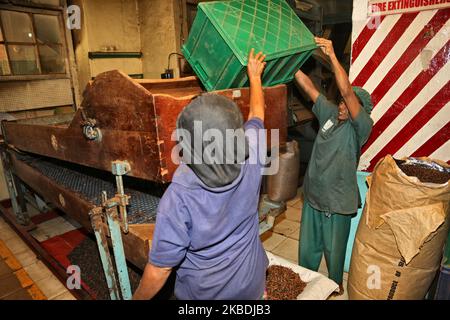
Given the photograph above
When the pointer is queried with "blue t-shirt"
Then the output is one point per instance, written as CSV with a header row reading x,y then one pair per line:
x,y
212,234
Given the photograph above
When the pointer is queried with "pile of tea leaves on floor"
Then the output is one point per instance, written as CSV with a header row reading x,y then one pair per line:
x,y
86,256
426,174
283,284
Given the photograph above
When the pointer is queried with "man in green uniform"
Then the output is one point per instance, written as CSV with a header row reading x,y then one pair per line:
x,y
330,188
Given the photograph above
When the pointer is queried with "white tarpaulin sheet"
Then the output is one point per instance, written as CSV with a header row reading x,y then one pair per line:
x,y
318,286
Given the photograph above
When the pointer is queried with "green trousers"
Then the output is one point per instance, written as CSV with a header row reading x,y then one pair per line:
x,y
323,234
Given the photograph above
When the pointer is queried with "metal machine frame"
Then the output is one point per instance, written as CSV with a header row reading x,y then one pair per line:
x,y
124,127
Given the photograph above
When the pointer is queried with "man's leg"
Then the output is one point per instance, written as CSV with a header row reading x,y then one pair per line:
x,y
311,244
335,231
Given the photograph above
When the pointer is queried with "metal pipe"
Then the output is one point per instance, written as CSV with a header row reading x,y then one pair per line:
x,y
17,201
120,168
119,253
105,256
123,201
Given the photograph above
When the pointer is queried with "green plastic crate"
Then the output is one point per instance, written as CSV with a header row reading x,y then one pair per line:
x,y
224,32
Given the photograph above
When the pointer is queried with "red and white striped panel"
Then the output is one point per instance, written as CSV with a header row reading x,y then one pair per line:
x,y
403,61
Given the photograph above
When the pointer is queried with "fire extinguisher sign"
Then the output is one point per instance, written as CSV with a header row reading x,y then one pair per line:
x,y
385,7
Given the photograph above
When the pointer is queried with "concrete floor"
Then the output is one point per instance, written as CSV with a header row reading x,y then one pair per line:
x,y
29,270
283,239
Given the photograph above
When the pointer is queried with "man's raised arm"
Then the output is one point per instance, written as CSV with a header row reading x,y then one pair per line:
x,y
255,69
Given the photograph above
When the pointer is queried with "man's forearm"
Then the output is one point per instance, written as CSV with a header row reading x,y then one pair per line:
x,y
255,68
342,80
152,281
148,291
307,85
345,87
257,104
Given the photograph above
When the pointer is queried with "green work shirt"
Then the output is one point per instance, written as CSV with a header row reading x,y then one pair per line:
x,y
330,182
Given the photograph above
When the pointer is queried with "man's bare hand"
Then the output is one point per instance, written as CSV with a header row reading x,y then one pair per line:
x,y
256,65
326,46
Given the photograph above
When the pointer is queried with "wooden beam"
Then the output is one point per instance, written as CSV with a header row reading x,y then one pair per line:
x,y
136,242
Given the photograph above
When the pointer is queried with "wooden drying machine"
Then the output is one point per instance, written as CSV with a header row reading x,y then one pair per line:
x,y
119,142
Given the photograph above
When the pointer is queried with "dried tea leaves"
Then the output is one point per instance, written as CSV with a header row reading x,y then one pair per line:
x,y
423,173
283,284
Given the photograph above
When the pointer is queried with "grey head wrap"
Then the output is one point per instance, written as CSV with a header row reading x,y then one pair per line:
x,y
203,129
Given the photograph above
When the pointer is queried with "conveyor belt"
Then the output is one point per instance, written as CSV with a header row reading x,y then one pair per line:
x,y
89,184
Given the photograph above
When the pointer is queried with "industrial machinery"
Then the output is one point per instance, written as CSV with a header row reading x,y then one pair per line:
x,y
108,164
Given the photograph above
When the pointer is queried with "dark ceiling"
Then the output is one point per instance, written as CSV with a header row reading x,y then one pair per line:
x,y
333,11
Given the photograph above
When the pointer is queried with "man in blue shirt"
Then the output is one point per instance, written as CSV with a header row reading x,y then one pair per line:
x,y
207,222
330,187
